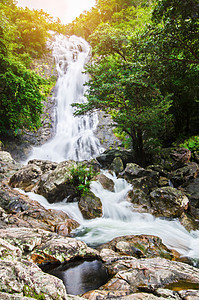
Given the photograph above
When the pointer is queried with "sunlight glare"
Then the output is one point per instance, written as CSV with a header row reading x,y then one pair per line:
x,y
65,10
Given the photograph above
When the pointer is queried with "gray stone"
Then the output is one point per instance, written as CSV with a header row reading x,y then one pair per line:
x,y
25,278
135,275
106,182
140,200
117,165
56,185
41,246
168,202
90,206
186,173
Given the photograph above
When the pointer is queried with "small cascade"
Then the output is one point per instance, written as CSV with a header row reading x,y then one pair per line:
x,y
119,219
74,138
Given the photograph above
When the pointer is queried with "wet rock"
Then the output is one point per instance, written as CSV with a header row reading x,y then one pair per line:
x,y
44,165
19,296
47,246
158,168
189,295
140,246
21,211
186,173
146,183
168,202
188,222
117,165
106,182
107,157
149,275
6,157
133,171
191,189
55,186
172,158
30,175
140,200
65,229
90,206
26,178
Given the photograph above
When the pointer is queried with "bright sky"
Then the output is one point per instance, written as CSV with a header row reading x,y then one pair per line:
x,y
66,10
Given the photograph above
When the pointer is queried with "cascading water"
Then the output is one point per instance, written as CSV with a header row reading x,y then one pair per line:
x,y
74,137
119,219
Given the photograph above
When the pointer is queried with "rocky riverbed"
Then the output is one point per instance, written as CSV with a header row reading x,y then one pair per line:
x,y
138,267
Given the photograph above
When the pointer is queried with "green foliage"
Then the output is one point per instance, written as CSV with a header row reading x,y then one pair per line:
x,y
81,178
23,36
144,70
105,11
191,143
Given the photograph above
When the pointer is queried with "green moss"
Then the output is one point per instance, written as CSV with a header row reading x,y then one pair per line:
x,y
29,292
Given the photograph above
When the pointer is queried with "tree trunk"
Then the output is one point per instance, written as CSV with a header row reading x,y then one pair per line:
x,y
138,147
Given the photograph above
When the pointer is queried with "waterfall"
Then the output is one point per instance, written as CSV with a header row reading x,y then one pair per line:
x,y
74,138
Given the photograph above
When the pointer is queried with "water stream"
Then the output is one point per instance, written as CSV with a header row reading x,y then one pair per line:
x,y
120,219
74,139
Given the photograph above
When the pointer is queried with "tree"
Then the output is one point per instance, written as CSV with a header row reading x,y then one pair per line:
x,y
121,85
172,40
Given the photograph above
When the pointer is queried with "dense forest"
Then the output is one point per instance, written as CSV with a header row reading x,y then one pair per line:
x,y
143,70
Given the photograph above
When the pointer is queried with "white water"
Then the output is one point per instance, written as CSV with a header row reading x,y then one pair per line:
x,y
119,219
74,138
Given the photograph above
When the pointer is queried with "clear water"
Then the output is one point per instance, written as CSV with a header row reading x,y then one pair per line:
x,y
81,276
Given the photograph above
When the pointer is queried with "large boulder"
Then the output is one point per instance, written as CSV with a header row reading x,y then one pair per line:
x,y
90,206
55,186
117,165
168,202
146,184
139,246
23,278
106,158
106,182
29,176
191,190
27,280
40,246
21,211
26,178
181,175
140,178
8,166
133,171
148,275
140,200
172,158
